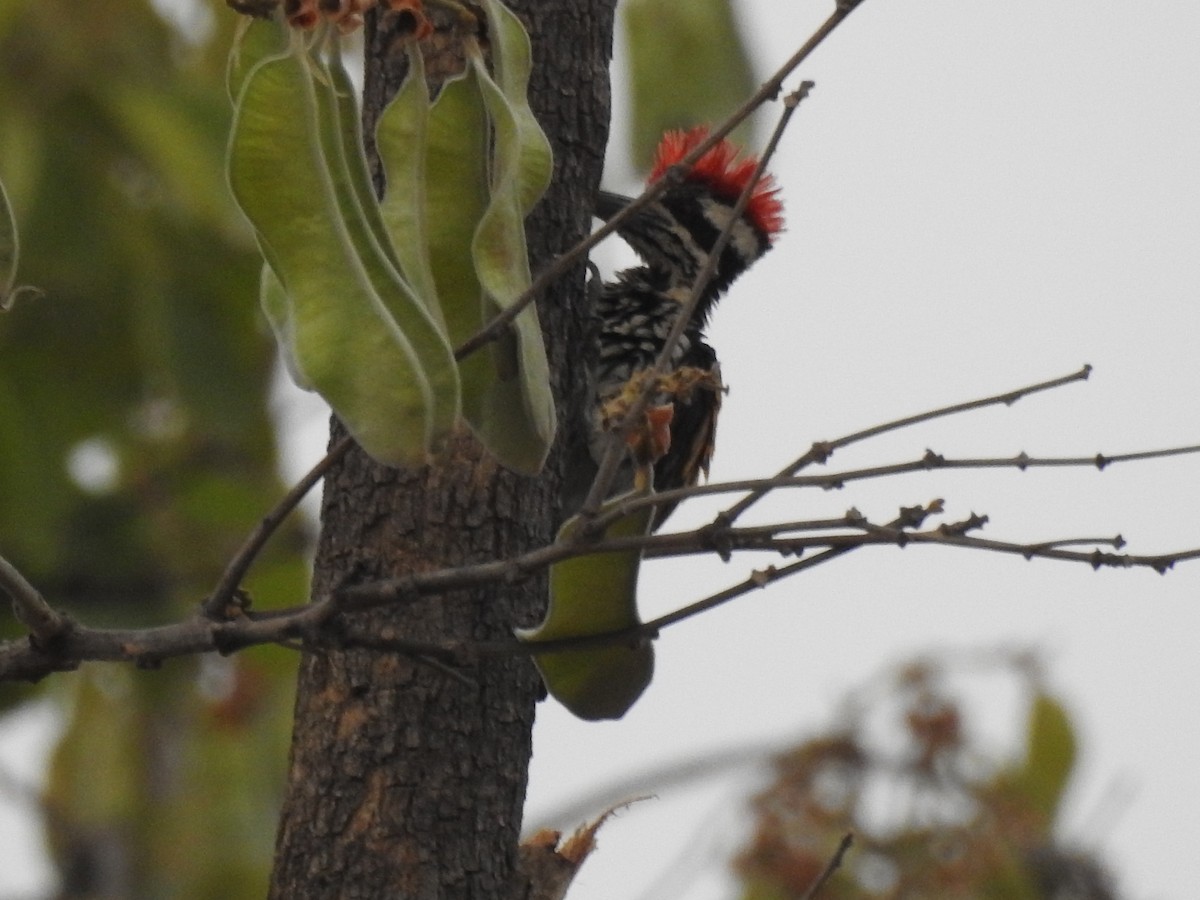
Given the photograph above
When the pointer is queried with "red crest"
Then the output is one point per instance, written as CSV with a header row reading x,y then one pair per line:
x,y
724,174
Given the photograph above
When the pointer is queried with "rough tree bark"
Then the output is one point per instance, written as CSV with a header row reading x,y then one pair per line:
x,y
405,782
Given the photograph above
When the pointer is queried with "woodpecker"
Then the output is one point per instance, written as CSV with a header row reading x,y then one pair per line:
x,y
635,312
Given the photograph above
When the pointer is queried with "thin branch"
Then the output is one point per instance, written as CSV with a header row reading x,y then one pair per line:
x,y
656,780
45,624
1116,542
149,647
835,863
413,586
822,450
931,461
894,533
467,652
1161,563
439,659
701,540
217,604
909,517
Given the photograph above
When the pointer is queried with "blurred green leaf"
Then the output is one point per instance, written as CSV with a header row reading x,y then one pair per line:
x,y
1050,755
94,778
145,781
112,133
688,66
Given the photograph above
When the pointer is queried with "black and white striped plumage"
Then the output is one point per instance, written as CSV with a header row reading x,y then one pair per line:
x,y
637,310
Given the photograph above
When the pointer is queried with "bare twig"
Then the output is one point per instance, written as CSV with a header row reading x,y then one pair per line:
x,y
835,863
657,780
822,450
149,647
929,462
415,585
1161,563
45,624
216,606
910,517
442,660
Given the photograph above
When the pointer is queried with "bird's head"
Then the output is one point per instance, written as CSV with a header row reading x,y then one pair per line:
x,y
676,232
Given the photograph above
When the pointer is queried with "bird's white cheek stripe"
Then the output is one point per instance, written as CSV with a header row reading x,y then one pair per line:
x,y
689,252
742,237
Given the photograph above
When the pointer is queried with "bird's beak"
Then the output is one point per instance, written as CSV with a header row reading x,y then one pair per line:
x,y
609,204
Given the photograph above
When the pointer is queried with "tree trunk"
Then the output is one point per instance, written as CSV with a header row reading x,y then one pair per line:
x,y
404,781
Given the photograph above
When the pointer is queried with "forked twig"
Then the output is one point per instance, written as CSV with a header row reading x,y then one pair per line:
x,y
822,450
43,621
231,579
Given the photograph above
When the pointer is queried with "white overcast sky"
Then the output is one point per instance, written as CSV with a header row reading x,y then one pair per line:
x,y
979,196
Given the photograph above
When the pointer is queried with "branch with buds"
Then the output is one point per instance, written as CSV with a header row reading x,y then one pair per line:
x,y
56,643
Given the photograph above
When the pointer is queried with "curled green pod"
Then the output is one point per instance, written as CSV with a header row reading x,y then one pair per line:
x,y
459,196
596,594
338,119
345,342
401,134
512,57
255,41
502,263
455,194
